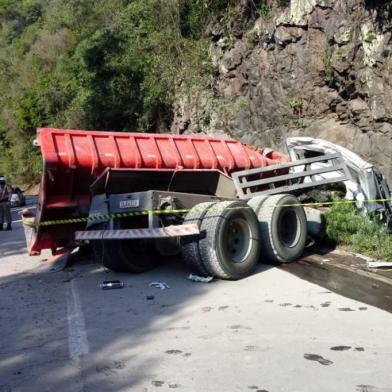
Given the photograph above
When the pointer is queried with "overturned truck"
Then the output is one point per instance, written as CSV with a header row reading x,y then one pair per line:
x,y
137,197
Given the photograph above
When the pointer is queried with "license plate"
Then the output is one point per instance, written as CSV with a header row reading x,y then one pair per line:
x,y
132,203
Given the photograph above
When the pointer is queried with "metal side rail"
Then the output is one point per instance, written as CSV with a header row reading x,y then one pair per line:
x,y
269,181
162,232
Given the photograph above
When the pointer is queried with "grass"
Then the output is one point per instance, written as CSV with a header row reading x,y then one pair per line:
x,y
230,14
347,226
296,105
327,61
295,102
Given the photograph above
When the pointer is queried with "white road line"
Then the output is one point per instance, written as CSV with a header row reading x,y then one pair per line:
x,y
77,335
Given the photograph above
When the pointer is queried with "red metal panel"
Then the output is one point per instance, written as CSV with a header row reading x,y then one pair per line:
x,y
73,159
119,149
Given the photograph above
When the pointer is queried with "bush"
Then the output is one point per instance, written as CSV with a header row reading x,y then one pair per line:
x,y
348,226
95,64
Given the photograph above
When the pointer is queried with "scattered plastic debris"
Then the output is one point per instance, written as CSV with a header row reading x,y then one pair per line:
x,y
111,284
379,264
196,278
160,285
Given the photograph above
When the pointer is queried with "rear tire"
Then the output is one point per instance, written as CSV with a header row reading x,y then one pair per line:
x,y
283,229
256,202
125,255
190,245
229,244
316,224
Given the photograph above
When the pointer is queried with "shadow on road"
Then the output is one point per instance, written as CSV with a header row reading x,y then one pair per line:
x,y
12,242
121,326
130,333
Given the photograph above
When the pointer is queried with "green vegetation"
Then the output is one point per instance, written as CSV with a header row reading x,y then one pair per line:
x,y
267,8
295,102
95,64
300,124
241,103
253,38
228,41
370,37
349,227
266,11
329,73
229,15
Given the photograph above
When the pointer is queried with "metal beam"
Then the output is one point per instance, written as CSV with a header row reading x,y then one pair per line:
x,y
307,161
291,176
291,188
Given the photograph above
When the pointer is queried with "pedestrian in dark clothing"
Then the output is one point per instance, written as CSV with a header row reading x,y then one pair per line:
x,y
5,207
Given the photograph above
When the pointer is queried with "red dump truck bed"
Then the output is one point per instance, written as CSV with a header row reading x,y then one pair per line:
x,y
73,159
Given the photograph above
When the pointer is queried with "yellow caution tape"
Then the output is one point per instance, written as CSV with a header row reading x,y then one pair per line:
x,y
119,215
103,217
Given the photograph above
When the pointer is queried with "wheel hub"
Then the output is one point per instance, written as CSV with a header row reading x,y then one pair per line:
x,y
238,240
288,228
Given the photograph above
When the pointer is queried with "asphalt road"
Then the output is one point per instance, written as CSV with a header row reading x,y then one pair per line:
x,y
270,332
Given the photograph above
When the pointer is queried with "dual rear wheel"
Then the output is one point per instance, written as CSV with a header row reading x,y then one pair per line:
x,y
283,227
234,236
228,246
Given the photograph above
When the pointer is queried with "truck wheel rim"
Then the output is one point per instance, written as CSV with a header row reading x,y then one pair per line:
x,y
238,241
289,231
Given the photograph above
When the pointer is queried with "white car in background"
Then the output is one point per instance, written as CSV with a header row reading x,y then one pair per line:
x,y
17,198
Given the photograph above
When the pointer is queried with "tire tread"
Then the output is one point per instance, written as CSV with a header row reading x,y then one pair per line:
x,y
190,251
208,245
265,217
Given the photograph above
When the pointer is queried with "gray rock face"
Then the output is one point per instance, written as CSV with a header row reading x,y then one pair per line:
x,y
313,68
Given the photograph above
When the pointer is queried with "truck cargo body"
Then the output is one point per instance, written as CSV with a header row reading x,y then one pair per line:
x,y
73,160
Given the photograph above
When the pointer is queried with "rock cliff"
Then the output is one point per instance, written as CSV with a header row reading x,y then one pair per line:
x,y
318,68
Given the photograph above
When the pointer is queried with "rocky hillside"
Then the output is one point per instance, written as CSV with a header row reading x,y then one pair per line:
x,y
320,68
258,70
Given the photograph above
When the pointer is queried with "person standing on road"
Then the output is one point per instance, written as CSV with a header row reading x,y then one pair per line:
x,y
5,206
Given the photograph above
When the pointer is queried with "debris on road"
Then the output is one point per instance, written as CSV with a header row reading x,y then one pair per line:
x,y
196,278
150,297
160,285
379,264
111,284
